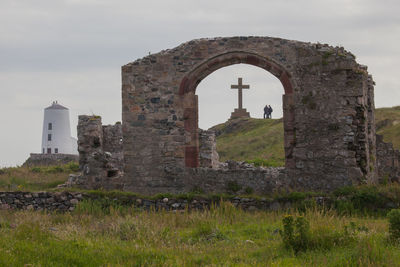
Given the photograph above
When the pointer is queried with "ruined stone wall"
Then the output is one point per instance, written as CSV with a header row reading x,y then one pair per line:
x,y
209,157
100,153
327,103
388,161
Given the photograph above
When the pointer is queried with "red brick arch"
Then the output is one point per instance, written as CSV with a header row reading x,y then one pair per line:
x,y
189,84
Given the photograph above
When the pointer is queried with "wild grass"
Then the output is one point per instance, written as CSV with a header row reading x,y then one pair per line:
x,y
35,178
258,141
221,236
388,124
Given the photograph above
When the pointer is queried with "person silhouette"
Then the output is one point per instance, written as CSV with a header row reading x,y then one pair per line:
x,y
270,112
266,109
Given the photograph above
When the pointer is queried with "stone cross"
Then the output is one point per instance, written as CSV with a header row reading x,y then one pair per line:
x,y
240,86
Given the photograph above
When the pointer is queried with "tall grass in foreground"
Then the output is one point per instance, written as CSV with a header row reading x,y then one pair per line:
x,y
96,235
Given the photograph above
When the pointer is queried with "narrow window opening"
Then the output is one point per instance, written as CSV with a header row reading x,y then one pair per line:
x,y
48,150
43,151
49,137
50,126
112,173
56,150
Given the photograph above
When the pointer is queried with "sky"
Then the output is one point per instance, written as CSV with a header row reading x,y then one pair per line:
x,y
72,51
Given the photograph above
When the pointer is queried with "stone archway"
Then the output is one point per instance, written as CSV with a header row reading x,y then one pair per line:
x,y
328,114
189,84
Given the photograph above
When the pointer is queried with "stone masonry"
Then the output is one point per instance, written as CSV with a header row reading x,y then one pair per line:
x,y
388,160
329,125
208,154
100,154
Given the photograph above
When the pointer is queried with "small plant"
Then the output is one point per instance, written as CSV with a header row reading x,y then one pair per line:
x,y
72,166
55,169
248,190
36,169
270,162
197,190
295,233
394,224
233,187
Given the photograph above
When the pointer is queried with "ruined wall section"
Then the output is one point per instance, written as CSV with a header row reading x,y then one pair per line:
x,y
326,101
100,154
331,147
209,157
388,161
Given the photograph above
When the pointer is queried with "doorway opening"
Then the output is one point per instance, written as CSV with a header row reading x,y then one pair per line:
x,y
255,139
187,91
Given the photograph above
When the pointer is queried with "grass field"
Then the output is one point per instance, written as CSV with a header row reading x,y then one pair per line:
x,y
256,140
222,236
35,178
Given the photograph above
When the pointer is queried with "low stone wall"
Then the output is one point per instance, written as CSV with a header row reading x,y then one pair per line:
x,y
60,201
236,181
36,159
231,177
67,201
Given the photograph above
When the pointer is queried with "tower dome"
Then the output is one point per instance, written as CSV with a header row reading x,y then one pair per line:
x,y
56,137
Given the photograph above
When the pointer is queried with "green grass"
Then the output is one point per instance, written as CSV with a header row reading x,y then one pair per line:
x,y
388,124
221,236
256,140
35,178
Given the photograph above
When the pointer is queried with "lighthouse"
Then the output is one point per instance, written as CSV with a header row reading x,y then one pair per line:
x,y
56,137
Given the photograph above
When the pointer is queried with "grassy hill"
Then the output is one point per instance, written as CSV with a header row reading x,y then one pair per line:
x,y
388,124
261,141
250,139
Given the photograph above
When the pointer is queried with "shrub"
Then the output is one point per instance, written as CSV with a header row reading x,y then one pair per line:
x,y
206,231
297,236
55,169
295,233
394,224
72,166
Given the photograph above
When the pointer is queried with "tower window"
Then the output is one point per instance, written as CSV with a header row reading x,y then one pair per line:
x,y
50,126
49,137
48,150
55,150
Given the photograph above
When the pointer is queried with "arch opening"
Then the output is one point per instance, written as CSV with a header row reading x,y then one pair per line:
x,y
187,91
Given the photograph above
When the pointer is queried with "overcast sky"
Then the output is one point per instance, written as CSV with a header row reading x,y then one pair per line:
x,y
72,51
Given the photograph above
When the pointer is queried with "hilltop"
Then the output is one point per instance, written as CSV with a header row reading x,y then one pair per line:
x,y
388,124
261,141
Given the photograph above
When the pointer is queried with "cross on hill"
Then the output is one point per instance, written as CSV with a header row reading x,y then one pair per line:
x,y
240,86
240,111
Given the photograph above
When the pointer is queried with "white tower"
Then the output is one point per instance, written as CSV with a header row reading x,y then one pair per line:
x,y
56,138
